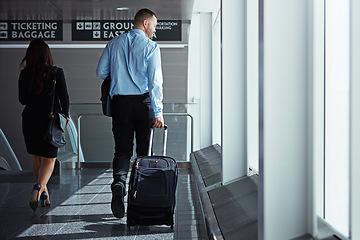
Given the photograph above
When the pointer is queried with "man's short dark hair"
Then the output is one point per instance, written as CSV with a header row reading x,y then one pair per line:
x,y
143,14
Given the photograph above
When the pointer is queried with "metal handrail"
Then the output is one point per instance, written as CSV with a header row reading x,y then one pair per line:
x,y
192,125
100,114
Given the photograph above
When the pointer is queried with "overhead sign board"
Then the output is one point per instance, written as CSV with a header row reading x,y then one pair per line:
x,y
31,29
105,30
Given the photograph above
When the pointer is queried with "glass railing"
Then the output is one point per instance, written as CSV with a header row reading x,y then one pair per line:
x,y
94,139
8,159
71,138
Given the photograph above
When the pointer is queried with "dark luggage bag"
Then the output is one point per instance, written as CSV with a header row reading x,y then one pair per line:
x,y
152,187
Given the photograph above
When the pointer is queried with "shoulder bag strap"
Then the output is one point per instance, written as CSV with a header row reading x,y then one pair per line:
x,y
53,94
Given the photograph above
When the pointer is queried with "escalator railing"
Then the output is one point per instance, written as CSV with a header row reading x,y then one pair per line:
x,y
8,159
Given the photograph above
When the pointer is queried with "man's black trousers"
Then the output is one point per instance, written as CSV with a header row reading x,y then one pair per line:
x,y
130,114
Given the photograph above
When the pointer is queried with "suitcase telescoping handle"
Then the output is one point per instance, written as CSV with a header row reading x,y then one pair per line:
x,y
164,140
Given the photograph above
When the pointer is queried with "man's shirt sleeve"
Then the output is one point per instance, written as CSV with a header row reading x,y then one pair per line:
x,y
156,82
103,67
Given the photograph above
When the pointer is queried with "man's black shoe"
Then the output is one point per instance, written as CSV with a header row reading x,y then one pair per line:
x,y
117,201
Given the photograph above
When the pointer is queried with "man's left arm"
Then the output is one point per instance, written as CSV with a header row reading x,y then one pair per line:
x,y
156,86
103,67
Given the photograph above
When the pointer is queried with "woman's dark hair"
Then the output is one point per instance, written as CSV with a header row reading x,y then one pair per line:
x,y
38,62
143,14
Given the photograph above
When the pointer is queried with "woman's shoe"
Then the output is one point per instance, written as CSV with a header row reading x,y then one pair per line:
x,y
34,200
44,197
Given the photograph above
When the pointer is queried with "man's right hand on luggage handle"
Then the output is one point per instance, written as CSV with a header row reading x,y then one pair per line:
x,y
159,122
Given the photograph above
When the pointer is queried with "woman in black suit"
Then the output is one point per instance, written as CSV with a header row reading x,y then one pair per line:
x,y
35,88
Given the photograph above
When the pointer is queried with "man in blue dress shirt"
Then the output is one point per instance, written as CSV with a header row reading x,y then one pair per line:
x,y
134,62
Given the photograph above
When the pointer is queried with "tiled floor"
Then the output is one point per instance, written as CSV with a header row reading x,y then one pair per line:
x,y
81,209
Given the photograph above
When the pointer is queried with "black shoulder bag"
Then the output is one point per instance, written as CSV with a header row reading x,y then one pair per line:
x,y
55,131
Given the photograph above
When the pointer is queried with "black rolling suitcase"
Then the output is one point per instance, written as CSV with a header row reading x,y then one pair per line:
x,y
152,186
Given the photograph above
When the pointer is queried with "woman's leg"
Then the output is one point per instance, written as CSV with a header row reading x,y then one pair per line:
x,y
45,171
36,191
36,167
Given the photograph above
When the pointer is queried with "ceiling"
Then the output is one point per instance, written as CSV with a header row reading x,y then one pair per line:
x,y
67,10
